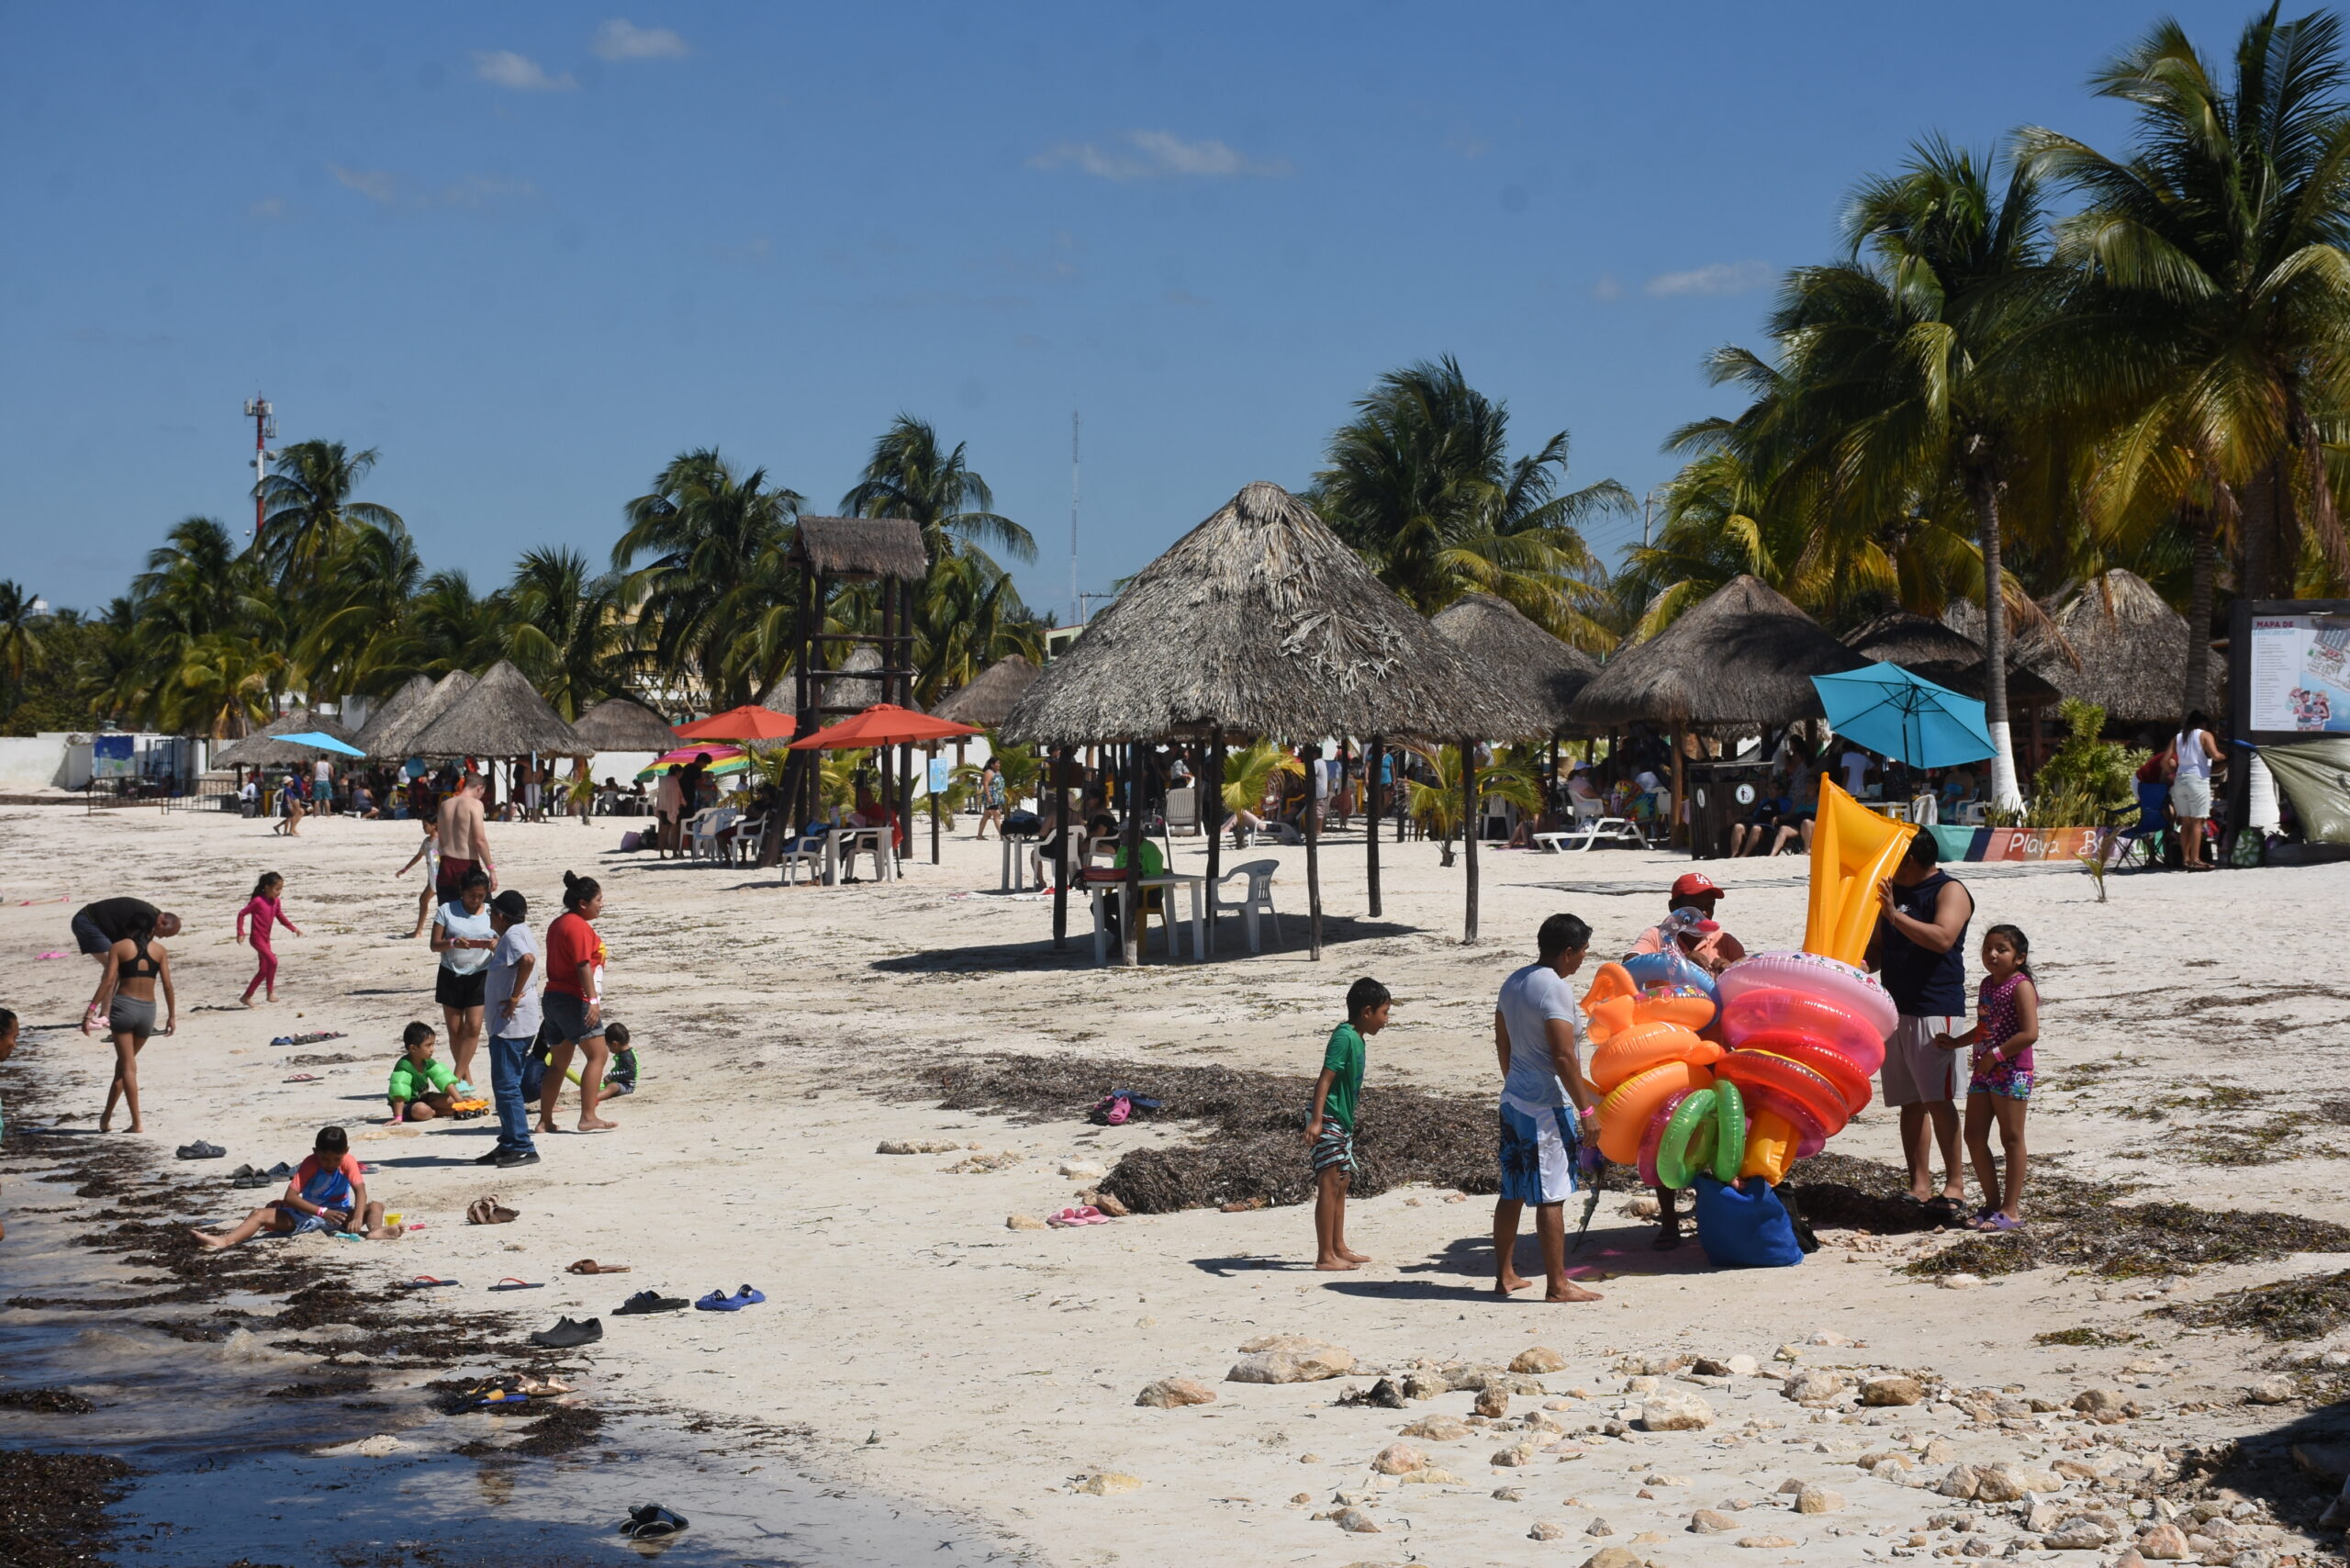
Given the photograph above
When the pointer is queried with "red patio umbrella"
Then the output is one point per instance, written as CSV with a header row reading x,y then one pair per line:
x,y
748,723
884,723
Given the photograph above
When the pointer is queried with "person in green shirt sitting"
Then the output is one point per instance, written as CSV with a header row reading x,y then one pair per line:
x,y
1330,1127
421,1081
1103,829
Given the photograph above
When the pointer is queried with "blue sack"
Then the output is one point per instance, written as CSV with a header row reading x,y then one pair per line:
x,y
1745,1227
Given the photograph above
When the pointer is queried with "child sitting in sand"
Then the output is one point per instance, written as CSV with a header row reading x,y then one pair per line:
x,y
421,1081
328,1193
1330,1126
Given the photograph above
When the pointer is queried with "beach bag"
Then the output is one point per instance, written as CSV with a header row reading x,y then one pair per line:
x,y
630,842
1745,1227
1022,822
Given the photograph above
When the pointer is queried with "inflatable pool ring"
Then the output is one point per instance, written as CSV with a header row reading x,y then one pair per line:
x,y
1668,969
1763,1075
1644,1046
1839,985
1624,1113
1730,1130
1609,1004
1694,1110
1654,1139
1690,1006
1825,1059
1770,1147
1776,1007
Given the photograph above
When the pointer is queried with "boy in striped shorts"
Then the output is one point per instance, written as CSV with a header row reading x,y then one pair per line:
x,y
1330,1127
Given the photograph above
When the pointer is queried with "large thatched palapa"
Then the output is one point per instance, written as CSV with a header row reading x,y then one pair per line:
x,y
393,740
988,700
1942,655
1518,656
503,715
416,689
622,724
263,750
1740,661
2119,645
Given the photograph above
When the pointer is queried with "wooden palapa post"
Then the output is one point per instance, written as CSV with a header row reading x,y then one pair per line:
x,y
1372,793
1469,830
1057,779
1137,916
1313,866
1674,830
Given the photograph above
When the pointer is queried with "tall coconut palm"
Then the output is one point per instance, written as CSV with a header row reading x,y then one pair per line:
x,y
1421,482
912,476
566,635
353,634
221,686
716,599
19,634
307,512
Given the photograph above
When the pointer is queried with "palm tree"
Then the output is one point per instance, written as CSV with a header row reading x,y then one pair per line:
x,y
2221,246
354,633
19,641
449,627
909,477
1422,484
1436,802
567,633
220,686
307,512
718,597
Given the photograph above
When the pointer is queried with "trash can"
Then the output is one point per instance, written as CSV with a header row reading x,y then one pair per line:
x,y
1721,794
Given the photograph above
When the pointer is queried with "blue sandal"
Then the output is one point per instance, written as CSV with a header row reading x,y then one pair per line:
x,y
719,1300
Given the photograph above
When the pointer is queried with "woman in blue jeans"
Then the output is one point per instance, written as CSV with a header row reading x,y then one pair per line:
x,y
510,1012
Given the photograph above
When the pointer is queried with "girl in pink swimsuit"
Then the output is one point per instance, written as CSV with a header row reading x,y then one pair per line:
x,y
2007,1026
266,911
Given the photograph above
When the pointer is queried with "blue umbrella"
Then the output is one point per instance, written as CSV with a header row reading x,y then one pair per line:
x,y
1895,714
321,740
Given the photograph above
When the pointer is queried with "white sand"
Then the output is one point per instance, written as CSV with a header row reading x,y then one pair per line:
x,y
931,1353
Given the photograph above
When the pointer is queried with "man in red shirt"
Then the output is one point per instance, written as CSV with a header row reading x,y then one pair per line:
x,y
1713,950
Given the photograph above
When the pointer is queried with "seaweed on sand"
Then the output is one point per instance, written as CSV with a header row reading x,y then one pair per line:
x,y
2307,1307
53,1505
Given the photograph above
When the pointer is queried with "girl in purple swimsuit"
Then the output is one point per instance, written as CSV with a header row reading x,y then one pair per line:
x,y
2005,1028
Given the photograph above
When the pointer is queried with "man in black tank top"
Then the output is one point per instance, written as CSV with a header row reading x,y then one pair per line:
x,y
1920,954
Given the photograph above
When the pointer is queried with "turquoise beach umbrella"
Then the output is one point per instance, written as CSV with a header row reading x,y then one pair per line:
x,y
1895,714
320,740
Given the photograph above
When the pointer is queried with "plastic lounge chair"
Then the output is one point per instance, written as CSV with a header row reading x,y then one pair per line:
x,y
1592,828
1257,899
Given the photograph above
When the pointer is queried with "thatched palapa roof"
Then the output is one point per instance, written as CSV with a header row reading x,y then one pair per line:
x,y
1741,660
864,547
1260,620
1518,656
394,739
622,724
503,715
988,700
1932,650
418,689
263,749
2115,643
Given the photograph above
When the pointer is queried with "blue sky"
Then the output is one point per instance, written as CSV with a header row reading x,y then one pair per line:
x,y
530,251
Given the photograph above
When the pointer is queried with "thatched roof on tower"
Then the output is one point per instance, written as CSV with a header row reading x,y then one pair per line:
x,y
863,547
1261,620
263,750
1741,660
394,739
1942,655
402,702
988,700
503,715
622,724
1517,655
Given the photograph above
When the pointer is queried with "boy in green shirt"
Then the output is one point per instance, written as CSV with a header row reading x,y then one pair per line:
x,y
420,1086
1330,1127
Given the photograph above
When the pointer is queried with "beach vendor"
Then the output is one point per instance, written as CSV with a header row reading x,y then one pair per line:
x,y
1688,927
1920,955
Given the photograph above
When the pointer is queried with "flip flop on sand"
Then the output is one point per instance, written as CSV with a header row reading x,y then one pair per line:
x,y
589,1266
1085,1214
719,1300
511,1284
489,1211
202,1150
645,1303
426,1283
301,1078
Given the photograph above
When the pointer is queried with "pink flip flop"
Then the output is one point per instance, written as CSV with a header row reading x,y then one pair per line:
x,y
1085,1214
301,1078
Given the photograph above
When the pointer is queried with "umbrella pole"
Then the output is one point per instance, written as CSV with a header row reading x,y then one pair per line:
x,y
1680,802
930,760
1212,819
1057,777
1371,835
1312,871
1137,915
1469,833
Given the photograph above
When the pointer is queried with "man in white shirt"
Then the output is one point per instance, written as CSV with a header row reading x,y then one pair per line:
x,y
1549,1128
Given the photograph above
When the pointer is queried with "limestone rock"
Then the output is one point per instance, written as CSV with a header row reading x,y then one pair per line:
x,y
1538,1359
1670,1410
2272,1390
918,1145
1817,1500
1892,1390
1813,1386
2164,1543
1766,1542
1301,1365
1711,1521
1081,1170
1433,1475
1169,1392
1282,1342
1509,1493
1493,1402
1024,1222
1399,1458
980,1163
1962,1480
1999,1483
1547,1529
1420,1384
1111,1207
1958,1282
2097,1402
1600,1527
1612,1557
1938,1450
1438,1430
1515,1457
1354,1521
1109,1484
2076,1535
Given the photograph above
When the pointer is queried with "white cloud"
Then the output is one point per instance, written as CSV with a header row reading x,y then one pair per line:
x,y
1156,154
376,184
620,40
268,206
507,69
1608,287
1721,277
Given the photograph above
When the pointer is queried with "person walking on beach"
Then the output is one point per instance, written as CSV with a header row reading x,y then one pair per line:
x,y
510,1008
2007,1025
429,853
991,799
125,996
1549,1128
1330,1126
574,1002
2190,788
1920,954
668,799
98,927
463,936
465,842
264,911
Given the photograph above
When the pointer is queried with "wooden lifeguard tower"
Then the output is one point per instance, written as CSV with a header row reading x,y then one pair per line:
x,y
829,551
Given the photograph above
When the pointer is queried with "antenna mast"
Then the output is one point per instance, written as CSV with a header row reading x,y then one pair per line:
x,y
264,419
1076,603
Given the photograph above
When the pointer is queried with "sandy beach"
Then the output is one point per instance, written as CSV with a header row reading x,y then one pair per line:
x,y
913,1347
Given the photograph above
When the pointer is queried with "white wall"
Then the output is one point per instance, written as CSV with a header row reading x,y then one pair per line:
x,y
43,762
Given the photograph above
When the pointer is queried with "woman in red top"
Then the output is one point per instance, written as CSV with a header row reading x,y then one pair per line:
x,y
574,1002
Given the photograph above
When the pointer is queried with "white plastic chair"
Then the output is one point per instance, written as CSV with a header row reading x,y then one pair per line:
x,y
1257,899
807,851
1183,810
702,828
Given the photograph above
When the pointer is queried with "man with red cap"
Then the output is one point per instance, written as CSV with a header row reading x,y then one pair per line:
x,y
1689,926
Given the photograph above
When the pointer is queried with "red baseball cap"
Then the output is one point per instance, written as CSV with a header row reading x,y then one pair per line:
x,y
1695,884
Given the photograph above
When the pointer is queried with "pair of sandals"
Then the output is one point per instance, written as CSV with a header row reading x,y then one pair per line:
x,y
1085,1214
202,1150
651,1522
489,1211
246,1176
719,1300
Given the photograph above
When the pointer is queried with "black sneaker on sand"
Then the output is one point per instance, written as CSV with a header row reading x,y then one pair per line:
x,y
509,1158
568,1335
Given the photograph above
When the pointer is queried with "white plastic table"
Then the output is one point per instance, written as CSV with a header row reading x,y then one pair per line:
x,y
1015,862
876,838
1199,918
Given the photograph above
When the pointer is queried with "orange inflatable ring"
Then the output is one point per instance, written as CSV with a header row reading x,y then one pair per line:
x,y
1763,1072
1770,1147
1644,1046
1624,1115
1825,1059
1682,1004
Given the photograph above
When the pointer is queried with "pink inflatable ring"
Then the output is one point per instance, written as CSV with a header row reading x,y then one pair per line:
x,y
1839,985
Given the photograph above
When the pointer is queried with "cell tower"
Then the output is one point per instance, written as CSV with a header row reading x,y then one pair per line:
x,y
264,419
1076,600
